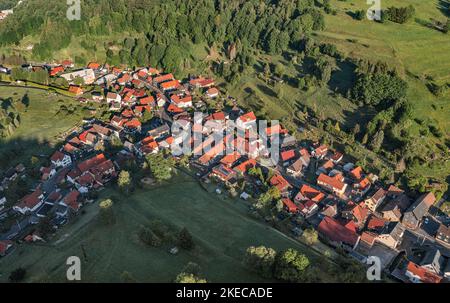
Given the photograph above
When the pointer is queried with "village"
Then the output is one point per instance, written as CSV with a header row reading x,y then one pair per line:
x,y
351,210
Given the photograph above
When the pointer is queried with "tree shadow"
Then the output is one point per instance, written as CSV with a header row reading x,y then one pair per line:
x,y
266,90
343,78
444,7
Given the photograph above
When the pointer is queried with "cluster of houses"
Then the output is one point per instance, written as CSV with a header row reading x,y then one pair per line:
x,y
348,207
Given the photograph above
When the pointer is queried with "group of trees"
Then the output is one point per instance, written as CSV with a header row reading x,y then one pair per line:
x,y
398,14
9,117
288,265
161,166
376,83
272,26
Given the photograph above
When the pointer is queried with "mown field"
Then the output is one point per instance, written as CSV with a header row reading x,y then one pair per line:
x,y
221,229
40,121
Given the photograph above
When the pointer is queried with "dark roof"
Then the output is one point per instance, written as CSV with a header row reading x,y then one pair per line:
x,y
433,256
395,229
420,207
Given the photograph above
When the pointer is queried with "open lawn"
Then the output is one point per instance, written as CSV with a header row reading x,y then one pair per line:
x,y
221,229
40,122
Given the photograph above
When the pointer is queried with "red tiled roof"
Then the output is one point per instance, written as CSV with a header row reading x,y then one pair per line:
x,y
279,182
248,117
71,199
287,155
311,193
228,160
57,156
93,65
163,78
292,208
212,92
244,166
4,245
376,223
334,182
89,163
30,200
170,84
334,231
424,275
356,173
56,70
220,116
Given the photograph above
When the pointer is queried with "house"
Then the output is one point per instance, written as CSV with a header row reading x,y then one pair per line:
x,y
336,234
71,200
377,198
223,173
113,98
94,65
182,102
356,173
245,166
288,140
357,213
281,183
54,71
5,247
76,90
325,168
230,159
296,168
337,157
309,208
47,173
418,274
320,152
133,126
309,193
289,205
333,184
246,121
391,235
376,224
433,261
163,78
287,156
87,75
170,85
329,211
159,132
30,202
418,210
443,234
212,92
60,159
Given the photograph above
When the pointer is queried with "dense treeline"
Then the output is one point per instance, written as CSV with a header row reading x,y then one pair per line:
x,y
7,4
399,14
272,26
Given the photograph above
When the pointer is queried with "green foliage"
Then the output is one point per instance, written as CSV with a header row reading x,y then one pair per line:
x,y
160,166
399,14
149,237
185,239
311,236
260,259
290,266
189,278
124,181
379,87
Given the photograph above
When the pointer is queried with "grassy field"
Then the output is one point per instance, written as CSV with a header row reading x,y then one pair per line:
x,y
221,228
40,122
416,50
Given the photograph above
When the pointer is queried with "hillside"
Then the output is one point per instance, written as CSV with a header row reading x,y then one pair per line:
x,y
308,63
